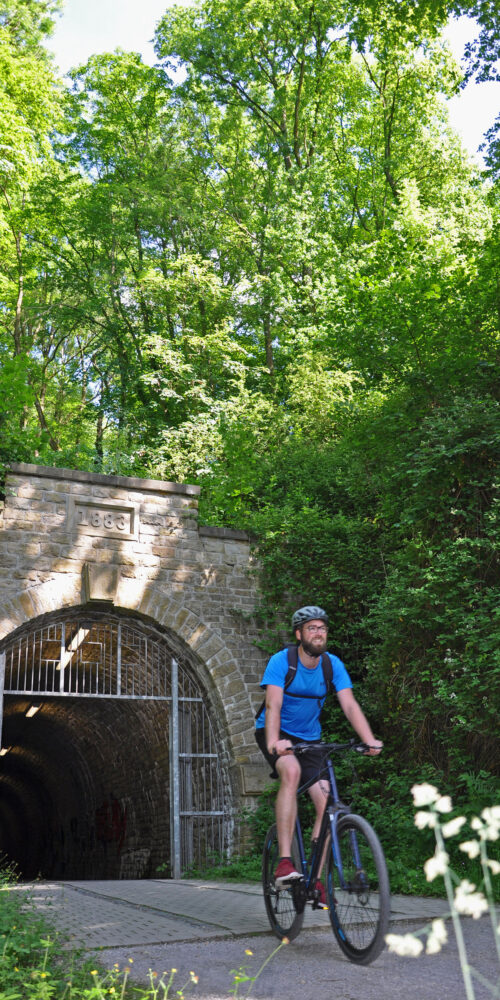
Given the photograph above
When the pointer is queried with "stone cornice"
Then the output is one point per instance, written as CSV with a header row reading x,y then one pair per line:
x,y
128,482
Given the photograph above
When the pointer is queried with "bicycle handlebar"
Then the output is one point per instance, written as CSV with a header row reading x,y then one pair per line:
x,y
356,745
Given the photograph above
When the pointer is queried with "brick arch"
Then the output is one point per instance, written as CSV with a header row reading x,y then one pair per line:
x,y
218,665
61,718
70,537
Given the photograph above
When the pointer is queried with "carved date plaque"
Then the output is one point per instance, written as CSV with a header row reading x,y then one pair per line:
x,y
105,518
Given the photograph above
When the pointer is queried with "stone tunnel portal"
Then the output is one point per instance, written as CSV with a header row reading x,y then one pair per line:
x,y
114,764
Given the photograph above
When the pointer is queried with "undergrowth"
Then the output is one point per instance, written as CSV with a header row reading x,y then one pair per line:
x,y
36,965
383,797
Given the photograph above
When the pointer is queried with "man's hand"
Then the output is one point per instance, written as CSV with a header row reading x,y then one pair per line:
x,y
375,748
281,747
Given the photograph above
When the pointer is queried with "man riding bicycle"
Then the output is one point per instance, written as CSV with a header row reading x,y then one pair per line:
x,y
291,714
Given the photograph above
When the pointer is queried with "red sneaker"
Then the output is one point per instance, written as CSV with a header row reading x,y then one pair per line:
x,y
321,901
285,872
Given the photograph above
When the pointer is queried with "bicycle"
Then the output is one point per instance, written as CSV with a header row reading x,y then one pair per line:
x,y
357,883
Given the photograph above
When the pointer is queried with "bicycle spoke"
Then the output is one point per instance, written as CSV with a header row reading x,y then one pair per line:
x,y
359,913
281,909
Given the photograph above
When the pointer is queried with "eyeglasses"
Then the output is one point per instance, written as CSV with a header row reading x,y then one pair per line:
x,y
316,629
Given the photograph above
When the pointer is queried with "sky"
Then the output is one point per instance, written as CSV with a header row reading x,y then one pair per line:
x,y
87,27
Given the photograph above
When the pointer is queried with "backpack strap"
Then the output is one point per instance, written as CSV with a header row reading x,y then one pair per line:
x,y
326,666
292,653
293,660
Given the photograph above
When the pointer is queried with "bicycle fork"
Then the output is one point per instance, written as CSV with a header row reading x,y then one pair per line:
x,y
333,813
359,884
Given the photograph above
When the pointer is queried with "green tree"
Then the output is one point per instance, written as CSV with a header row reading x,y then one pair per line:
x,y
29,110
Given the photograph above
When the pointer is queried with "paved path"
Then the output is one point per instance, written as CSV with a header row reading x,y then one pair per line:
x,y
206,927
160,911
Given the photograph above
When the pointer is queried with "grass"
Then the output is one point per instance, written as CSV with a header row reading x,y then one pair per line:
x,y
35,965
237,869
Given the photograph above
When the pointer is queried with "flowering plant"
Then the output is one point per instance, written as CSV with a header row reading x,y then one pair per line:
x,y
463,896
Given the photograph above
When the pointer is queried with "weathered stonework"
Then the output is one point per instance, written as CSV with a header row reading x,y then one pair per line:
x,y
70,538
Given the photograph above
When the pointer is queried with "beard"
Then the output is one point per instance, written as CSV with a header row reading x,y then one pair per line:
x,y
315,646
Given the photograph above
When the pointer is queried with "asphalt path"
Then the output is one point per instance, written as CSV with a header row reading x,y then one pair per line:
x,y
313,966
207,929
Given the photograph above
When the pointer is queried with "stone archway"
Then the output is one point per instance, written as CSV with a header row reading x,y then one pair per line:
x,y
72,540
118,761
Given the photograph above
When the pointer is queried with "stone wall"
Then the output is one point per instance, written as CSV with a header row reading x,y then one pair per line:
x,y
69,538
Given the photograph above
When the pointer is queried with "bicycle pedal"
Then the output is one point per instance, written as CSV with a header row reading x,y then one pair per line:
x,y
288,880
319,906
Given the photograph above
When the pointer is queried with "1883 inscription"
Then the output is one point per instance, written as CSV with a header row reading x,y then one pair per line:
x,y
103,519
108,518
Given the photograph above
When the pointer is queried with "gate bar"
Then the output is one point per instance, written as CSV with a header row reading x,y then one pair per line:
x,y
118,660
175,820
62,657
2,680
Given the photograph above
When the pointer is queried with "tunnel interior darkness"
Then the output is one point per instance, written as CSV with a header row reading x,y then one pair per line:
x,y
85,780
84,788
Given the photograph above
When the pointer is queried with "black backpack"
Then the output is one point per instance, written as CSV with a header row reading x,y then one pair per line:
x,y
293,659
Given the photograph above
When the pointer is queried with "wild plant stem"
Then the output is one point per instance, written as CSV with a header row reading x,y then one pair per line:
x,y
268,959
490,897
124,983
457,927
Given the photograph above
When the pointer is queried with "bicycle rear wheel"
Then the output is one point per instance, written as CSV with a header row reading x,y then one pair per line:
x,y
360,913
281,904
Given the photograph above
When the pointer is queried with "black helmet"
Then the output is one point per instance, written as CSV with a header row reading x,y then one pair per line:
x,y
307,614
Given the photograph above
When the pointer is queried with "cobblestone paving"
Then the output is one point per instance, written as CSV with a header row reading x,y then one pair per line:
x,y
128,913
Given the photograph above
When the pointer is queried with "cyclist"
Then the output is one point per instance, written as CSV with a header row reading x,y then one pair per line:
x,y
293,716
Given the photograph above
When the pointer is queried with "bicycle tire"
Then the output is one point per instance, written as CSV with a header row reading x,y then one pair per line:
x,y
360,914
284,918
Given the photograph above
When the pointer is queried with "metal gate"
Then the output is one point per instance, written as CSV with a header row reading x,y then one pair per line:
x,y
104,656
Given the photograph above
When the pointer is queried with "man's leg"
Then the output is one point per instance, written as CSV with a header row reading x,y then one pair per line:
x,y
319,795
288,769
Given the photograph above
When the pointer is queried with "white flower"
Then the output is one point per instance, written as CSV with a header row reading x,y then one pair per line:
x,y
436,865
404,944
470,847
490,829
491,818
424,795
495,866
437,937
453,827
492,814
468,901
423,819
443,804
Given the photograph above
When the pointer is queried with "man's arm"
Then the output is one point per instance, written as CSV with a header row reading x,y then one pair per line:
x,y
354,713
274,701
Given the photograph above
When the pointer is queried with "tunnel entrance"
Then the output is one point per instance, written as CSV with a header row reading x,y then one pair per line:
x,y
113,761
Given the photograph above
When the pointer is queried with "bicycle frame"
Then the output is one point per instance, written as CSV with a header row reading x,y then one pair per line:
x,y
334,810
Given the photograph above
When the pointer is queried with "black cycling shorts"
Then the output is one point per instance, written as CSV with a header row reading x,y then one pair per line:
x,y
310,761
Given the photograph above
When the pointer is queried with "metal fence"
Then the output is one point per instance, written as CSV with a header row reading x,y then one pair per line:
x,y
106,656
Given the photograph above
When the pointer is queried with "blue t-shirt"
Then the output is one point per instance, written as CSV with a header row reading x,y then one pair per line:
x,y
300,716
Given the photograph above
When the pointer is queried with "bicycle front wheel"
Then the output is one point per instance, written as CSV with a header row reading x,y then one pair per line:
x,y
359,912
285,919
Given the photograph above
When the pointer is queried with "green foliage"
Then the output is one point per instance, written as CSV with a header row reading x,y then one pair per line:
x,y
238,868
276,275
400,539
379,791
